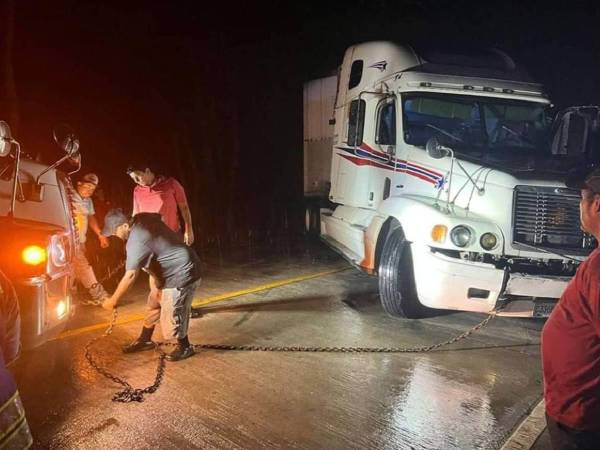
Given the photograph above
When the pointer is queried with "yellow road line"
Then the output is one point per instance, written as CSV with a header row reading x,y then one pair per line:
x,y
98,326
206,301
263,287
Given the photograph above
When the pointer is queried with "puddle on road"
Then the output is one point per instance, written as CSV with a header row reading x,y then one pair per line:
x,y
433,411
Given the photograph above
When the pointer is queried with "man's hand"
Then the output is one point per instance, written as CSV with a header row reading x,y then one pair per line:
x,y
109,304
188,237
104,242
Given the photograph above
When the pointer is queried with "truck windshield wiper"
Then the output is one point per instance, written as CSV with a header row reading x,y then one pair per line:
x,y
445,133
522,139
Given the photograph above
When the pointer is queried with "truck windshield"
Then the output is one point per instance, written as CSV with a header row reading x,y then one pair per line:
x,y
477,126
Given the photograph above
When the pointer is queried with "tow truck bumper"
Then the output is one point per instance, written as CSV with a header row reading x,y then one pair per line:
x,y
45,307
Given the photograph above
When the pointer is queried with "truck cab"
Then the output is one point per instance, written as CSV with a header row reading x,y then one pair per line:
x,y
447,184
37,238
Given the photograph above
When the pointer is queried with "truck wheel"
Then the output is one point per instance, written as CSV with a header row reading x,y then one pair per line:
x,y
397,290
312,219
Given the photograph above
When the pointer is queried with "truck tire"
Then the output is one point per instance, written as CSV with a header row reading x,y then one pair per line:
x,y
397,291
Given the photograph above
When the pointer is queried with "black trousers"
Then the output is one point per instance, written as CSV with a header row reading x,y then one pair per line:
x,y
566,438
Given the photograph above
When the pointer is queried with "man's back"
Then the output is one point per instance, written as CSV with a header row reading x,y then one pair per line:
x,y
153,246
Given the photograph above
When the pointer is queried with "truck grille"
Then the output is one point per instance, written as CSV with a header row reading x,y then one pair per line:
x,y
549,217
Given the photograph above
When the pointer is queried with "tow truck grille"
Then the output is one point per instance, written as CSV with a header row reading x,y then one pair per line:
x,y
549,217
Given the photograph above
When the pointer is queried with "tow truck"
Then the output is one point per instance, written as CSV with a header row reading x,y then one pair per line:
x,y
37,235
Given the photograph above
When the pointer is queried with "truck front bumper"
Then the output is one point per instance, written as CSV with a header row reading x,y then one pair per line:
x,y
451,283
45,307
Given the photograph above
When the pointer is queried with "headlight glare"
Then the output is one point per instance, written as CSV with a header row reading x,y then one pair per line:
x,y
34,255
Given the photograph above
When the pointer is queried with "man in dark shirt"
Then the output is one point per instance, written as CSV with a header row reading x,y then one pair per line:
x,y
571,340
153,247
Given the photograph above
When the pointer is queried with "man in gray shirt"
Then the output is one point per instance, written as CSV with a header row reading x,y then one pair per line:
x,y
155,248
84,214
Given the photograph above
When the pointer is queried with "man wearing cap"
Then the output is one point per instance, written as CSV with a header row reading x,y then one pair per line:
x,y
571,339
83,210
153,247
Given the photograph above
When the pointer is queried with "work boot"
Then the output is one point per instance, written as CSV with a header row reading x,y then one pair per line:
x,y
180,352
139,345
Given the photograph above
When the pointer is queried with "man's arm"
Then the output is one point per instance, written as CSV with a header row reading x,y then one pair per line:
x,y
124,285
182,204
136,207
188,234
96,229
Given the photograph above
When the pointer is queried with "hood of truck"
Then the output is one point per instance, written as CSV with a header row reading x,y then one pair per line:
x,y
492,194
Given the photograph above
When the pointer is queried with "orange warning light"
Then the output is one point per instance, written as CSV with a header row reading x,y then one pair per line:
x,y
34,255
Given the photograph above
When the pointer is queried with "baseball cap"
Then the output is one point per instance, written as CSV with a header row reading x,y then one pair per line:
x,y
587,177
90,178
114,218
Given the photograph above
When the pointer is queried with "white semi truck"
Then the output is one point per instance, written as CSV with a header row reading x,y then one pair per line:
x,y
446,180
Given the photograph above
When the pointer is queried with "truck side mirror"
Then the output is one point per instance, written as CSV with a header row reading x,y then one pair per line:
x,y
577,135
5,139
65,138
436,150
572,135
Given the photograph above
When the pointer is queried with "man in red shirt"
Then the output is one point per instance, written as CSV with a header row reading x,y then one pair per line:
x,y
571,339
162,195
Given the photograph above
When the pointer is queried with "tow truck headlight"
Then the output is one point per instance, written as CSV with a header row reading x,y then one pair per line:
x,y
438,233
461,236
58,251
34,255
61,309
488,241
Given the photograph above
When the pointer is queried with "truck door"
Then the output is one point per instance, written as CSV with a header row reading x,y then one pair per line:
x,y
385,139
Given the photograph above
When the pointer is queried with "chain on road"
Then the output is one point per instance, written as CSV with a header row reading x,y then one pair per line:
x,y
131,394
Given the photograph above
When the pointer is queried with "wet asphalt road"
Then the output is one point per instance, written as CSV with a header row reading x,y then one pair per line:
x,y
469,395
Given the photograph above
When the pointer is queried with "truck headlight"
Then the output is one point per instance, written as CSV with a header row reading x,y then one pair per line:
x,y
58,251
61,309
488,241
461,236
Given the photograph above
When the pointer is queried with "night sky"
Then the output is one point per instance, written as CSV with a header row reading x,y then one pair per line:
x,y
213,90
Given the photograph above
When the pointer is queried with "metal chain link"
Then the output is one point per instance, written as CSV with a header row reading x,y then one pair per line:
x,y
111,273
420,349
131,394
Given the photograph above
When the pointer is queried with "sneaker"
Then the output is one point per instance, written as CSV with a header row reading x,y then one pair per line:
x,y
139,346
180,353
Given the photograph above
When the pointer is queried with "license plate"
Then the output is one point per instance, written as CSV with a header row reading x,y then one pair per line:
x,y
543,309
